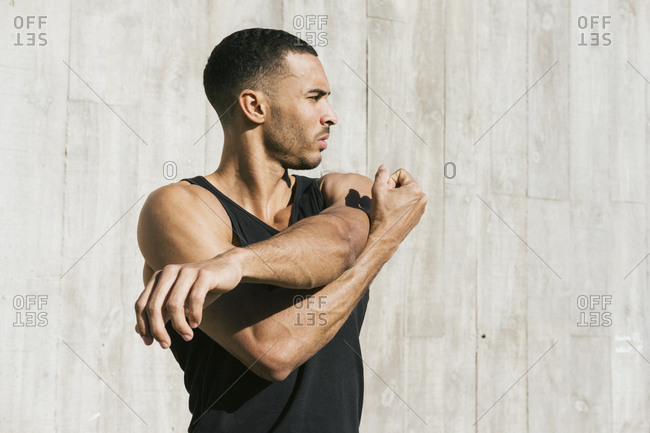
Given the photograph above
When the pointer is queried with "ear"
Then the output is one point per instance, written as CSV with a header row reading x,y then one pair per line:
x,y
254,105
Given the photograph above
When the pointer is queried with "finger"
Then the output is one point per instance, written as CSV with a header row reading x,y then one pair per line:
x,y
402,177
157,301
175,304
146,339
392,183
197,300
142,321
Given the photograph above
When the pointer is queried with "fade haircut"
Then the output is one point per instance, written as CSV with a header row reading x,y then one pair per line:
x,y
248,59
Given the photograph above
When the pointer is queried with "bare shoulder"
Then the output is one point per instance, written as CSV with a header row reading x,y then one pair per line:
x,y
182,223
181,203
337,186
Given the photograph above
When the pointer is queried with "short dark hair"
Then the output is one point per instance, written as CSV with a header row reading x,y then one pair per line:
x,y
248,59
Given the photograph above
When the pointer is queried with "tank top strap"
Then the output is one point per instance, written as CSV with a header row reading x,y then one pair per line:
x,y
309,200
306,199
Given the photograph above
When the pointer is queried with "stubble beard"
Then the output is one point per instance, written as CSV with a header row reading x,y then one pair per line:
x,y
286,143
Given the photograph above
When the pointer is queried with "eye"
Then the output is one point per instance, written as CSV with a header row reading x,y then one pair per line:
x,y
315,98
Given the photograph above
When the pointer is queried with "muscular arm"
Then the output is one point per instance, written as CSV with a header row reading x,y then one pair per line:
x,y
310,253
257,325
268,336
273,335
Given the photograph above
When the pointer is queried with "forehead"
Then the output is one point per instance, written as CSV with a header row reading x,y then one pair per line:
x,y
306,72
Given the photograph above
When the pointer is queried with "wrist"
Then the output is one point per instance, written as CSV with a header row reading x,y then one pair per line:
x,y
384,234
237,258
382,242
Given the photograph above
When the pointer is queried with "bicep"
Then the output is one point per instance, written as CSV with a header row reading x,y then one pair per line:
x,y
348,197
346,190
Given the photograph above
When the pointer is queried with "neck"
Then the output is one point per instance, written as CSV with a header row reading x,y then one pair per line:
x,y
251,178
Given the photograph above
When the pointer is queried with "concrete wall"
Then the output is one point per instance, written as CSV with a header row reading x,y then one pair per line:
x,y
476,325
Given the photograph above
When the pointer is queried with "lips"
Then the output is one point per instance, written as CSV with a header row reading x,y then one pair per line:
x,y
323,143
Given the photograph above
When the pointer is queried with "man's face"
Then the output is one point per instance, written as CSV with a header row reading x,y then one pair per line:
x,y
300,115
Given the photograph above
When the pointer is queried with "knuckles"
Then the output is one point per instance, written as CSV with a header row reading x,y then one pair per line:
x,y
195,297
203,273
151,309
171,269
139,306
185,271
174,307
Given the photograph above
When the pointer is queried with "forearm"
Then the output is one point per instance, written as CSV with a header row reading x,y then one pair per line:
x,y
331,307
308,254
274,336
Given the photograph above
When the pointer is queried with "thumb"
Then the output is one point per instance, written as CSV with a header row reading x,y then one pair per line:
x,y
381,179
382,173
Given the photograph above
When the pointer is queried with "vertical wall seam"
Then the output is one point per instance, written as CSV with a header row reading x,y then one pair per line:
x,y
476,273
527,201
367,96
65,188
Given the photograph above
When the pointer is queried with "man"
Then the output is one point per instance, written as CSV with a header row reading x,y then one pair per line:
x,y
265,314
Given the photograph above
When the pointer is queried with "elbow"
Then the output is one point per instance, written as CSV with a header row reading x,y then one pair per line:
x,y
272,374
273,366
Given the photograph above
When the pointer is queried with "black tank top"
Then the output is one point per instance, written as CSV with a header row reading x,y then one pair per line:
x,y
323,395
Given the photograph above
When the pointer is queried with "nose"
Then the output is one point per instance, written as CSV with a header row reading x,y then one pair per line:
x,y
329,117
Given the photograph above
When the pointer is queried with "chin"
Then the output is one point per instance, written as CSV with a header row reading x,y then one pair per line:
x,y
303,162
305,165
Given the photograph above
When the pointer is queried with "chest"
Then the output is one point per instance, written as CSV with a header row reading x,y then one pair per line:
x,y
248,228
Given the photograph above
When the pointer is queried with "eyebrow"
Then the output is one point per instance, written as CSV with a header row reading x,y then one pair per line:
x,y
319,92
